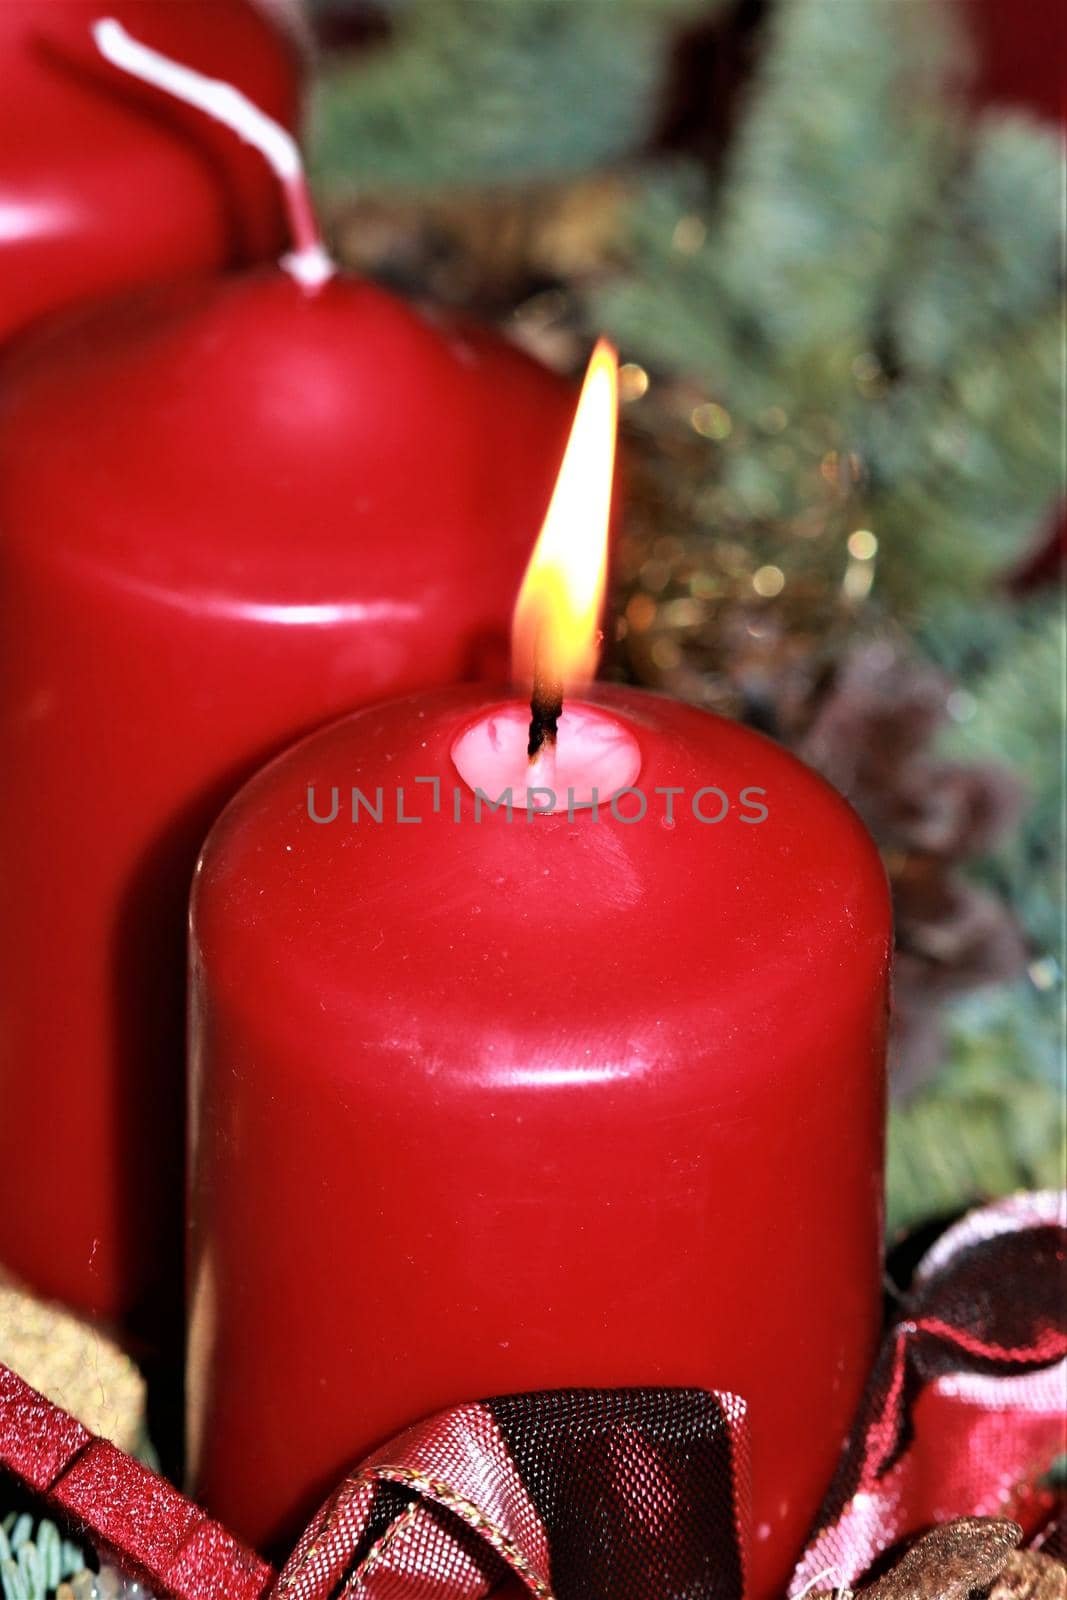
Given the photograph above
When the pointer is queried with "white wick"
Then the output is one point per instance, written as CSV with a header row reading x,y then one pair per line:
x,y
309,262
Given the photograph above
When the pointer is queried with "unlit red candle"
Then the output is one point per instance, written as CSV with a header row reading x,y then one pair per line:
x,y
229,510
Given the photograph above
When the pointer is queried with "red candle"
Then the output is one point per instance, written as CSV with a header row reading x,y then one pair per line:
x,y
229,509
103,185
485,1103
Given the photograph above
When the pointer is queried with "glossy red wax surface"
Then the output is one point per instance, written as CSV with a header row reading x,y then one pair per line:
x,y
105,183
484,1107
228,512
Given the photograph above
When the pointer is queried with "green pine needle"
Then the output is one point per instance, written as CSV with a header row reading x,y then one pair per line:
x,y
34,1558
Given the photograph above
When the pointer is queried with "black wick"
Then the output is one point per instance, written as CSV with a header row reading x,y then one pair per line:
x,y
546,706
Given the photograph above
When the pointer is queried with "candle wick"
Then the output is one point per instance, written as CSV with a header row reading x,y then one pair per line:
x,y
546,707
308,262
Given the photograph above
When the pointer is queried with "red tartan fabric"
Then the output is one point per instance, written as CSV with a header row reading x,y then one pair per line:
x,y
637,1493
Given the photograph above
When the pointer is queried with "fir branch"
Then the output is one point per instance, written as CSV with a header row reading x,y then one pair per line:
x,y
496,91
863,260
1017,712
34,1558
993,1121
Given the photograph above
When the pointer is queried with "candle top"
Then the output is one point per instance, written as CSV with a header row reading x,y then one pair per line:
x,y
104,189
594,758
243,443
677,914
308,262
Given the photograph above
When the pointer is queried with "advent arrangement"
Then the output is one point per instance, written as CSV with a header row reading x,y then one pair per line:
x,y
461,1064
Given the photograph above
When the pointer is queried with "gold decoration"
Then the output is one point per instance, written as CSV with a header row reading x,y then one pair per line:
x,y
491,253
74,1365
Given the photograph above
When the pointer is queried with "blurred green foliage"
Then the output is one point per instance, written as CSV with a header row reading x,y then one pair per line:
x,y
495,91
870,253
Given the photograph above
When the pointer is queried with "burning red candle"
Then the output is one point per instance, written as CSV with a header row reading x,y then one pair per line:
x,y
229,510
104,186
587,1094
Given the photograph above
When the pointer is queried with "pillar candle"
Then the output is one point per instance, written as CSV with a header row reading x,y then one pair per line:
x,y
584,1091
104,185
229,510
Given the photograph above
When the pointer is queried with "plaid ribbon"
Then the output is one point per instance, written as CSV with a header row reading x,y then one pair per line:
x,y
964,1413
633,1493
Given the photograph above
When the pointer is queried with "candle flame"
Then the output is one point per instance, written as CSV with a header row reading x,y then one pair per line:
x,y
555,630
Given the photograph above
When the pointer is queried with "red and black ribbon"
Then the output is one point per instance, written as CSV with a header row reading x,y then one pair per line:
x,y
964,1413
634,1493
563,1494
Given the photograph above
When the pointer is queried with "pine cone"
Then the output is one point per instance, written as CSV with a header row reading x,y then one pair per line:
x,y
871,733
1031,1576
973,1558
951,1562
